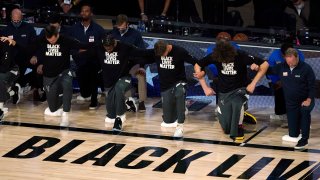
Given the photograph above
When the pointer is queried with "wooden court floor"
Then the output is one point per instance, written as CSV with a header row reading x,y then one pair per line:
x,y
34,146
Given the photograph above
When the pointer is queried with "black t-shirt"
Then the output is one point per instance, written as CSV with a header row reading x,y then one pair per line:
x,y
232,75
56,57
171,68
117,63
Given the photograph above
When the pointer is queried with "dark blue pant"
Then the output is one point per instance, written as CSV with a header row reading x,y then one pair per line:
x,y
299,119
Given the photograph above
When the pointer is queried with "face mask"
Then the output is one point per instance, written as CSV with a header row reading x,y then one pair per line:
x,y
16,24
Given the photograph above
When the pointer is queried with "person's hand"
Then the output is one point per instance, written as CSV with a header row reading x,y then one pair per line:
x,y
307,102
144,17
7,39
254,67
141,71
209,91
199,75
33,60
39,69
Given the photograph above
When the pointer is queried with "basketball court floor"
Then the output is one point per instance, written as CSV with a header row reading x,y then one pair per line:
x,y
34,146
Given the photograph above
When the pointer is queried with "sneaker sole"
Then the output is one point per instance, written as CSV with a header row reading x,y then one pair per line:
x,y
300,148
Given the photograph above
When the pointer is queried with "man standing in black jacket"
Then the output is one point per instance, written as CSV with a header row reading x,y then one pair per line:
x,y
23,33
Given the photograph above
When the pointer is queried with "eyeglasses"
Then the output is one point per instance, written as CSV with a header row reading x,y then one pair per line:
x,y
16,21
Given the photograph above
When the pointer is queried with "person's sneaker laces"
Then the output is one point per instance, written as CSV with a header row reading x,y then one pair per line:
x,y
142,107
16,97
117,125
249,118
302,144
131,105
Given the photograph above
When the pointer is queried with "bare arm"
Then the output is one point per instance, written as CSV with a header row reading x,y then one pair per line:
x,y
166,7
261,72
207,90
144,17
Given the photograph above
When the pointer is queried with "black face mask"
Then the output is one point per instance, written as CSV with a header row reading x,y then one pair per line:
x,y
16,24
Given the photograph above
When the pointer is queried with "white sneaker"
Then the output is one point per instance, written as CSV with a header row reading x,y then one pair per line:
x,y
282,117
80,98
5,110
164,124
179,131
123,117
56,113
291,139
109,120
65,119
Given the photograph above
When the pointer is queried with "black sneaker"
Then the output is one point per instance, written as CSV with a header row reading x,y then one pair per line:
x,y
1,114
131,105
302,144
249,118
16,97
43,96
93,105
142,107
117,126
240,136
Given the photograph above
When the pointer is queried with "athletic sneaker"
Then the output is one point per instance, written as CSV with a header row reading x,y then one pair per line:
x,y
291,139
80,98
240,135
249,118
302,144
142,107
93,105
179,131
1,114
109,120
16,97
56,113
65,119
164,124
131,105
117,125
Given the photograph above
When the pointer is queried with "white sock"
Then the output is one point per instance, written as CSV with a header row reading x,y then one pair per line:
x,y
1,105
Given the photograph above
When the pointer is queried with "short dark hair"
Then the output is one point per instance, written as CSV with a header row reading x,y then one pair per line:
x,y
285,47
160,47
51,31
121,18
108,40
